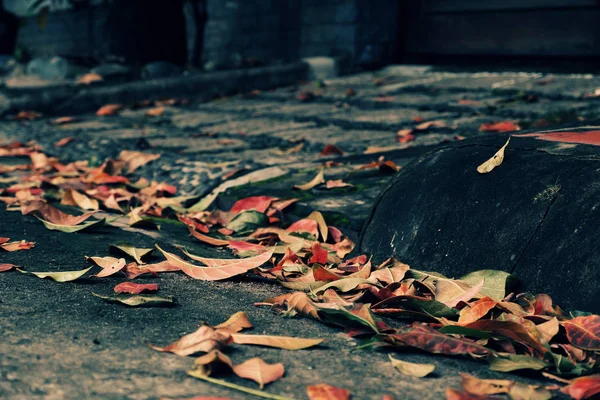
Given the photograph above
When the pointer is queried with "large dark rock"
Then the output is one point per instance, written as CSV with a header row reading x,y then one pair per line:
x,y
537,215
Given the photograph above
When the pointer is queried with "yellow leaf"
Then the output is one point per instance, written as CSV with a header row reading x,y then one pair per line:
x,y
493,162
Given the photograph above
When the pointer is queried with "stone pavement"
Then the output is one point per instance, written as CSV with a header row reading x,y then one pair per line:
x,y
250,143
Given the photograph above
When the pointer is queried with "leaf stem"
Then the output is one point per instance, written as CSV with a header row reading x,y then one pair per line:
x,y
244,389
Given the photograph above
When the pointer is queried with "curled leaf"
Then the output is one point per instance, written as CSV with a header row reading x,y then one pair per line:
x,y
138,300
317,180
7,267
237,322
66,276
259,371
281,342
135,252
205,339
493,162
135,288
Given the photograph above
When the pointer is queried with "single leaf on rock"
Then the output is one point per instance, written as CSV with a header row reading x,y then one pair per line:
x,y
70,228
109,269
493,162
205,339
515,362
237,322
135,252
317,180
135,288
476,310
7,267
412,369
216,269
428,339
66,276
281,342
583,388
496,283
138,300
259,371
323,391
584,332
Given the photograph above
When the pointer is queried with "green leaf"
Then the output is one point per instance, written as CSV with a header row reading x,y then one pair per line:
x,y
248,221
565,366
461,330
66,276
344,285
496,283
71,229
513,362
412,369
138,300
204,203
136,253
359,315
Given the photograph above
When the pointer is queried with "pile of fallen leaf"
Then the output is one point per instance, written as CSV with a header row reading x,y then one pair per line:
x,y
475,316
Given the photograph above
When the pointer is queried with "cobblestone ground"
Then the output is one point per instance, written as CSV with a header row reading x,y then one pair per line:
x,y
255,138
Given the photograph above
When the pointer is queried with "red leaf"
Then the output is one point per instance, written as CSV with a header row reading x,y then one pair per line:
x,y
258,203
584,332
319,255
331,149
327,392
305,225
207,239
583,388
16,246
64,141
6,267
504,126
109,109
476,310
135,288
428,339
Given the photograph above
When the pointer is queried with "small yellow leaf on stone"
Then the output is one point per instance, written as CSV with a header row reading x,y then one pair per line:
x,y
493,162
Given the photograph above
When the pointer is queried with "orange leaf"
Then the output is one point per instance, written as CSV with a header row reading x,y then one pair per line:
x,y
62,120
155,112
323,391
297,301
305,225
476,310
583,388
109,109
110,265
280,342
237,322
319,255
90,78
27,115
430,124
259,371
453,394
584,332
64,141
54,215
207,239
338,183
511,330
135,288
16,246
216,268
504,126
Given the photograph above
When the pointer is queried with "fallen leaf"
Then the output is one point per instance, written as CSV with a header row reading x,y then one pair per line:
x,y
137,300
64,141
453,394
259,371
7,267
53,215
318,217
62,120
155,112
207,239
281,342
66,276
412,369
331,149
583,388
310,226
323,391
511,330
216,269
296,302
338,183
496,283
136,253
74,198
135,288
317,180
476,310
69,228
248,221
90,78
484,387
584,332
504,126
27,115
205,339
109,109
237,322
319,255
256,203
430,124
515,362
17,246
109,269
493,162
136,159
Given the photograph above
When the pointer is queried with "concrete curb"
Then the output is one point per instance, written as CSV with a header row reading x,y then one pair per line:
x,y
75,99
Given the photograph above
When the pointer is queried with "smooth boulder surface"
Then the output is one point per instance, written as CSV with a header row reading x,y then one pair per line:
x,y
537,215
